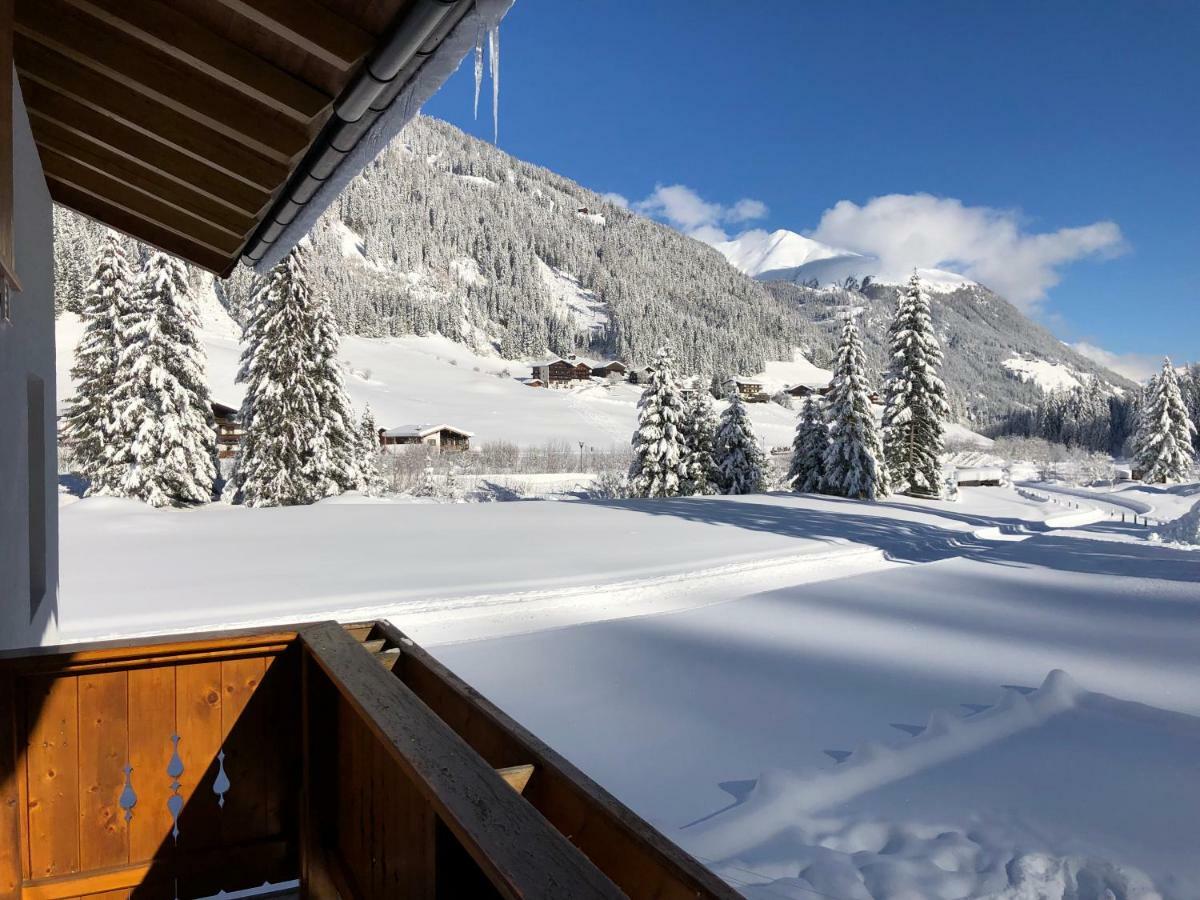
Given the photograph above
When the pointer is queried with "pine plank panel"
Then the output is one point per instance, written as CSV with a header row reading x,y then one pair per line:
x,y
103,753
151,724
137,67
53,773
247,756
278,696
10,794
151,118
198,723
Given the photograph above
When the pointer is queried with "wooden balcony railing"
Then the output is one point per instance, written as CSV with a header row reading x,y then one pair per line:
x,y
182,766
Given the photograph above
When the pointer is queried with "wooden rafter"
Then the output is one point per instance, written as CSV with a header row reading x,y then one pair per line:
x,y
139,202
43,65
177,35
140,68
109,136
53,138
309,26
134,225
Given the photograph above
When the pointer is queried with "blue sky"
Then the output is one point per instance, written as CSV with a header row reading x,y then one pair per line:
x,y
1054,115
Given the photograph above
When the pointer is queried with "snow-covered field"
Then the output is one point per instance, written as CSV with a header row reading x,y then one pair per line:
x,y
414,379
710,661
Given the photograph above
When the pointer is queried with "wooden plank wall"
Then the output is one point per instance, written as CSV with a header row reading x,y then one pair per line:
x,y
71,734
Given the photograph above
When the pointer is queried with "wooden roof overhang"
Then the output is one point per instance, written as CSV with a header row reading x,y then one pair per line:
x,y
179,122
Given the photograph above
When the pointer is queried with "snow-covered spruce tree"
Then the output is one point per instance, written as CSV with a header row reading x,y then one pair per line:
x,y
700,469
807,471
164,435
658,449
914,397
87,422
300,441
368,436
741,465
854,459
1163,450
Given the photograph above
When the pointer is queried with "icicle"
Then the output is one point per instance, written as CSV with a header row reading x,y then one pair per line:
x,y
494,59
478,68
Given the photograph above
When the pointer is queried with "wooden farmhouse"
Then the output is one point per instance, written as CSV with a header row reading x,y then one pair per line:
x,y
229,429
445,438
751,389
808,390
605,369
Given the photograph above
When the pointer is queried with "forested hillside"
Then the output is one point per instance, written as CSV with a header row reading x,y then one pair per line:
x,y
979,332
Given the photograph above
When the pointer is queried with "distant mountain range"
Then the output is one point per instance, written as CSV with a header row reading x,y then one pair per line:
x,y
784,255
446,234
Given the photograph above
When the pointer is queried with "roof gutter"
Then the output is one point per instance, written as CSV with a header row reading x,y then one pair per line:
x,y
392,65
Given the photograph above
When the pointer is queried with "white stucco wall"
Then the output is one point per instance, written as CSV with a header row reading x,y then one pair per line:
x,y
27,352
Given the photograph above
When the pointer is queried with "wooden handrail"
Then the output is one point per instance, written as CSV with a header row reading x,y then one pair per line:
x,y
628,849
514,847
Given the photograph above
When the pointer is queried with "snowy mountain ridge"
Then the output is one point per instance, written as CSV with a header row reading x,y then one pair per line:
x,y
784,255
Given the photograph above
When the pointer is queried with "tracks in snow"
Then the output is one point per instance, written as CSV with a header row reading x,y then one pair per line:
x,y
451,621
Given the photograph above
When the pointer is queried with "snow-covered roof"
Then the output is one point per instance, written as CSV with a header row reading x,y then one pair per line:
x,y
742,379
422,431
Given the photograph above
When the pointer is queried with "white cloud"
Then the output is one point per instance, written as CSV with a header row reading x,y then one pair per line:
x,y
616,199
907,231
1135,366
684,209
747,210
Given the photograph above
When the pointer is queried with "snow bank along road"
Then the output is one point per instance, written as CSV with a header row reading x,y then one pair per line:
x,y
804,642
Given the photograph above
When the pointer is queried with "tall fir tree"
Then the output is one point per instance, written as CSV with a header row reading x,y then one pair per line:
x,y
300,442
88,420
915,406
700,472
658,464
854,459
368,436
1163,449
741,464
164,430
807,470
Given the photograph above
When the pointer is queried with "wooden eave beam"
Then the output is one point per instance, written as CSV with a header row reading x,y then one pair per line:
x,y
309,26
146,231
179,36
137,202
111,137
53,138
137,66
153,119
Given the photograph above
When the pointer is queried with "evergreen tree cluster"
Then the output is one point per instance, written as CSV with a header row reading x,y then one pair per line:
x,y
1090,416
681,447
140,423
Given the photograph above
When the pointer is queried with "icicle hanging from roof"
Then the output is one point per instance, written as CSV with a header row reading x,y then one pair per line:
x,y
494,59
478,67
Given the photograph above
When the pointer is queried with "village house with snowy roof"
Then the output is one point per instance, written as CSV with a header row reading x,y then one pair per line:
x,y
443,437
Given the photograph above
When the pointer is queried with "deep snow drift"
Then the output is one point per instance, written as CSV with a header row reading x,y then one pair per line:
x,y
819,697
